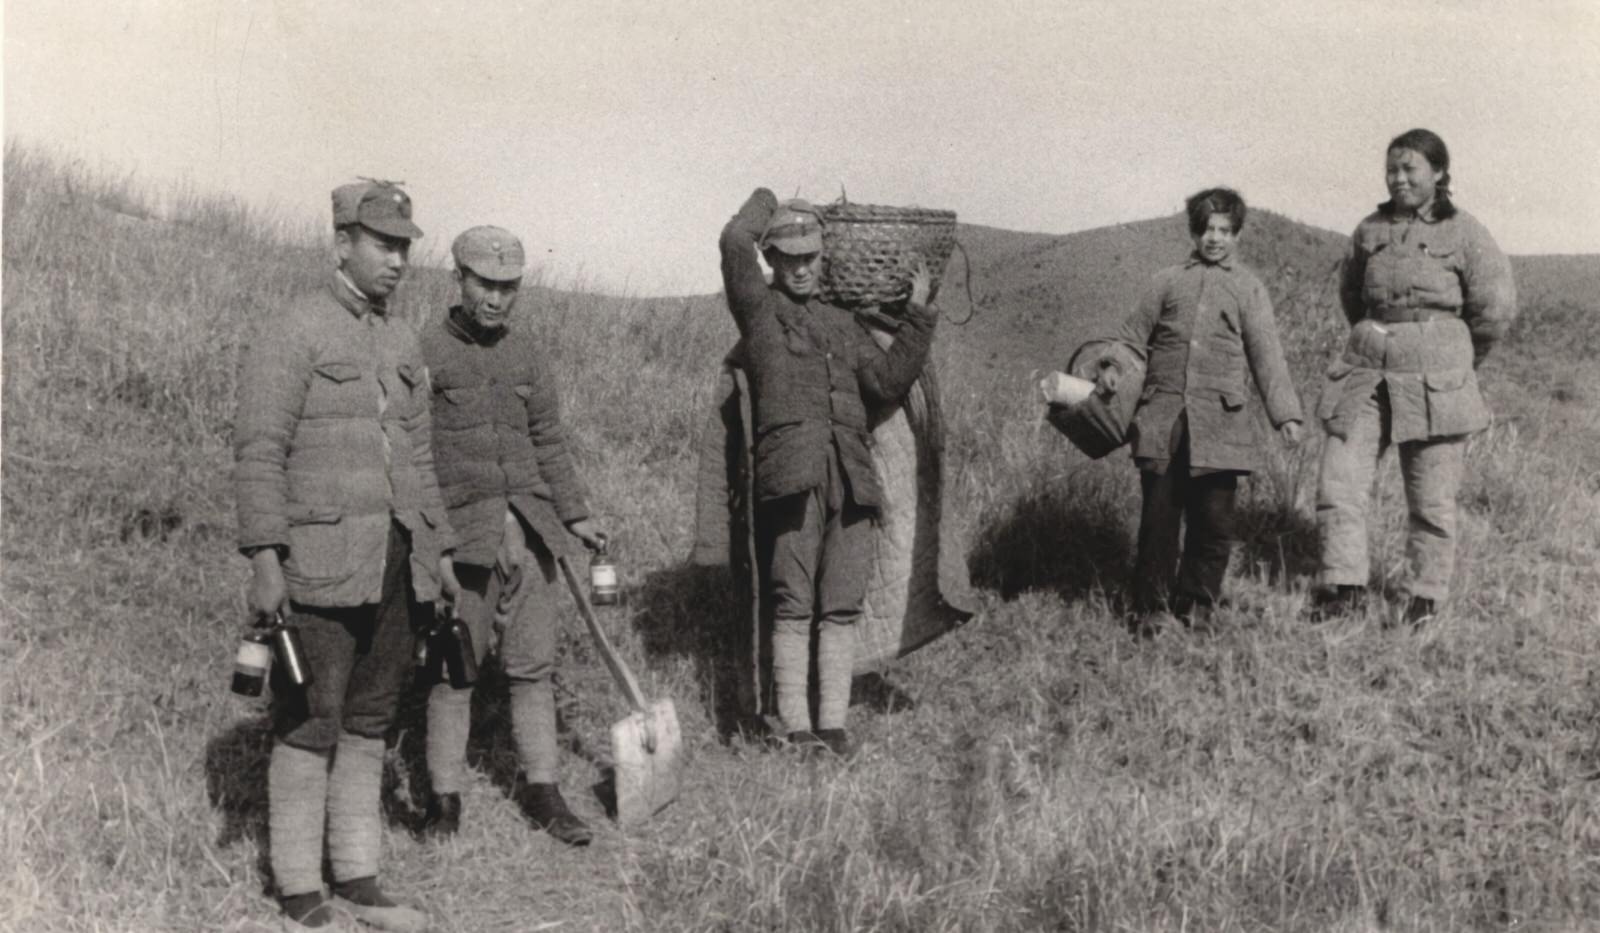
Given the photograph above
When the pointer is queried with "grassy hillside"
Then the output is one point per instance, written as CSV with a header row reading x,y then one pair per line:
x,y
1052,774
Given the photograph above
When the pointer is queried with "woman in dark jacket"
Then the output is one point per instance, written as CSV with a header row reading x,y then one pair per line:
x,y
1427,293
1200,325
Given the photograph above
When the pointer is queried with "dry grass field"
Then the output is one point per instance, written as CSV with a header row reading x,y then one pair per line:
x,y
1053,773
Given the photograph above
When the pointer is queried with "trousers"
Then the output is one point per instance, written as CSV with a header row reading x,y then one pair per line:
x,y
1204,506
515,603
327,755
358,656
816,546
1431,469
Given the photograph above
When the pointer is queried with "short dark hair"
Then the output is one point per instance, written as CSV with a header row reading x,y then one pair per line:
x,y
1201,206
1430,146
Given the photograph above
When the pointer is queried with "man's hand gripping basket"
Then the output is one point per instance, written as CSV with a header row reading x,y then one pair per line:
x,y
871,250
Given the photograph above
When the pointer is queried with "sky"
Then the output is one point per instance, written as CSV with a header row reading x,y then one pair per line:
x,y
617,138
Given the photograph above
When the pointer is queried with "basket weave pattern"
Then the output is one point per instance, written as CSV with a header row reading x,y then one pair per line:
x,y
871,250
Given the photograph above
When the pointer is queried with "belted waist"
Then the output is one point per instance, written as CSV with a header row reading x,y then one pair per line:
x,y
1410,315
1436,344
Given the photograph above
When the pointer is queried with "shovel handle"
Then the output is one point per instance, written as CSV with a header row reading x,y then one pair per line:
x,y
619,669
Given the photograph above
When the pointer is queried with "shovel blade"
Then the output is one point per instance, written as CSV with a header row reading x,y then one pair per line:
x,y
645,747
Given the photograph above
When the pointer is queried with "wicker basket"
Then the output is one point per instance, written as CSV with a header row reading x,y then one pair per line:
x,y
871,250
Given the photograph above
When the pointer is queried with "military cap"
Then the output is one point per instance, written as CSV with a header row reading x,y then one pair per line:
x,y
795,228
379,206
489,252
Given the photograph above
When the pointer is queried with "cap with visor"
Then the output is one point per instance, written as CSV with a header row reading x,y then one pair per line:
x,y
490,253
795,228
379,206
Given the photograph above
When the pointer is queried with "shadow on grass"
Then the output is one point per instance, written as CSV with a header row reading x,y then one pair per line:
x,y
1280,539
1077,536
691,611
236,785
1073,539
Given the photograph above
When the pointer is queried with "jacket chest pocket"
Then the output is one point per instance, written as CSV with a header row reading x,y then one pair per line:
x,y
453,407
1378,283
1227,334
410,388
515,406
798,342
337,390
1435,282
1232,321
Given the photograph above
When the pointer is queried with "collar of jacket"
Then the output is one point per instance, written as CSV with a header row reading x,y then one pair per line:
x,y
1195,260
463,327
1427,217
351,299
792,313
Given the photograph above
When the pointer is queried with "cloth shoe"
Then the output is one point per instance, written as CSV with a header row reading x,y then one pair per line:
x,y
546,809
1419,611
365,901
837,741
1146,624
804,739
1196,614
443,816
314,912
1337,600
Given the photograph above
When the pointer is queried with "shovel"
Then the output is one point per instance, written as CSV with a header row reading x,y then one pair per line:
x,y
645,744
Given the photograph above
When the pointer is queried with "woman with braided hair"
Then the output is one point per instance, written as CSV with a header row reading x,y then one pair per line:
x,y
1427,293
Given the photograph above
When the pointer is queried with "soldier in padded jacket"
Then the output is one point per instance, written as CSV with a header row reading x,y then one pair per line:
x,y
815,373
340,515
517,504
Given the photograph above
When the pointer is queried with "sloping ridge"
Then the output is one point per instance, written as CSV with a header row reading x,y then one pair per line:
x,y
1038,295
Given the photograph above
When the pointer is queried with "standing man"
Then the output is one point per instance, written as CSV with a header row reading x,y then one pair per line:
x,y
815,371
516,501
341,518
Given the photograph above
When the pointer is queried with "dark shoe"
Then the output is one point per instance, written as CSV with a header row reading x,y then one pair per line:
x,y
1419,612
397,918
804,739
837,741
1194,613
315,912
364,900
1146,625
545,808
443,816
1338,600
